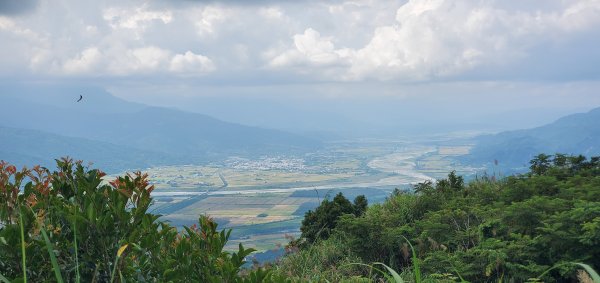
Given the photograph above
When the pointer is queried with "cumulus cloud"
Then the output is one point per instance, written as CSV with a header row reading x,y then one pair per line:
x,y
114,43
137,19
136,61
437,38
398,40
9,26
190,63
84,62
140,60
310,48
205,19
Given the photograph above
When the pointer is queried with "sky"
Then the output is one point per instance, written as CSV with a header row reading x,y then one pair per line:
x,y
319,65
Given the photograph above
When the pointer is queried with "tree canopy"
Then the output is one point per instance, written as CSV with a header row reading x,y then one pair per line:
x,y
514,228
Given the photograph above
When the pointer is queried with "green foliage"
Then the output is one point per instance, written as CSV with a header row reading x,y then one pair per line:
x,y
322,261
488,230
73,224
396,277
318,224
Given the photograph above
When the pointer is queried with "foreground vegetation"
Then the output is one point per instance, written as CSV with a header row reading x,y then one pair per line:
x,y
71,226
509,230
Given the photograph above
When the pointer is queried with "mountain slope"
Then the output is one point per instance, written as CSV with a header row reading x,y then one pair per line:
x,y
573,134
28,147
102,117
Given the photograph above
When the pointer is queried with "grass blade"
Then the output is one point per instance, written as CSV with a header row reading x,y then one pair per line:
x,y
4,279
587,268
462,280
53,260
23,256
590,271
77,276
370,266
114,271
415,260
395,274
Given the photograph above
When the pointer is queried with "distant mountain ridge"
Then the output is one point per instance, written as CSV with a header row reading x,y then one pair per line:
x,y
24,147
572,134
108,122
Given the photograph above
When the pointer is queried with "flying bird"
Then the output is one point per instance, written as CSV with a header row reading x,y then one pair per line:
x,y
80,98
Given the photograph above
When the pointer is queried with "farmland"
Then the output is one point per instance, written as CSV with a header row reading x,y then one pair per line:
x,y
265,199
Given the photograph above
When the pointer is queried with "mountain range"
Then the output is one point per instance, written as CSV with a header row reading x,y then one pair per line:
x,y
25,147
573,134
42,123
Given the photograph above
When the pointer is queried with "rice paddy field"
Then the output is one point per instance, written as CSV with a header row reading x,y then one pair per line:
x,y
264,200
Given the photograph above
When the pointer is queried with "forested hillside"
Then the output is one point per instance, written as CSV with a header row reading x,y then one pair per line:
x,y
572,134
487,230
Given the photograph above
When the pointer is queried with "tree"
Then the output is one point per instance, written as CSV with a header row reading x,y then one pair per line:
x,y
510,230
540,164
318,224
360,205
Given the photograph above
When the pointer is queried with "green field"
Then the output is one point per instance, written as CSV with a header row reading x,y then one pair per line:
x,y
264,200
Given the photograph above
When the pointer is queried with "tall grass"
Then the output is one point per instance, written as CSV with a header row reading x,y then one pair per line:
x,y
75,246
117,258
77,276
23,256
393,276
593,274
415,261
53,260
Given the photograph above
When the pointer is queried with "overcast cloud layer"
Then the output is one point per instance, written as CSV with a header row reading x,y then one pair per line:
x,y
417,40
205,55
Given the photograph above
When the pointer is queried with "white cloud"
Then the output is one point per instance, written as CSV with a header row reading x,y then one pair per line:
x,y
41,60
310,47
398,40
273,13
115,43
437,38
85,62
206,19
580,15
135,18
190,63
8,25
155,60
137,61
143,59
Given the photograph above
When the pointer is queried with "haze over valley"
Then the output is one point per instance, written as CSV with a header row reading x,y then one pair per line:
x,y
258,113
257,180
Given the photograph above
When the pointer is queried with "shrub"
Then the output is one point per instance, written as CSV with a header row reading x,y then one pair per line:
x,y
79,227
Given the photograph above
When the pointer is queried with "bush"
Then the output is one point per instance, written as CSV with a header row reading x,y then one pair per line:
x,y
487,230
79,227
318,224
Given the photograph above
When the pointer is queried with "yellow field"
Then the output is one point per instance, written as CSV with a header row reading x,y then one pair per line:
x,y
244,209
238,179
454,150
